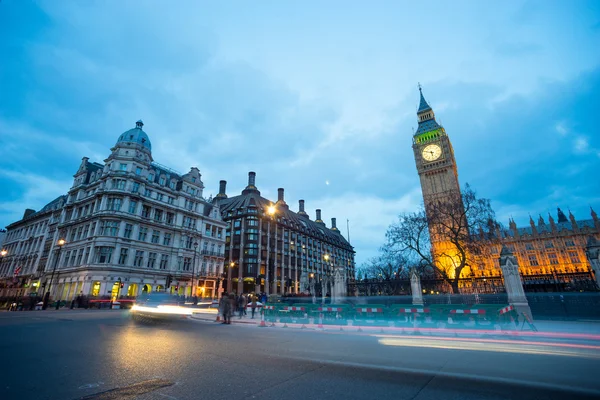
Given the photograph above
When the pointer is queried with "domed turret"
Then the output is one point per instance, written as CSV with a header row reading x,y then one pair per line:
x,y
136,135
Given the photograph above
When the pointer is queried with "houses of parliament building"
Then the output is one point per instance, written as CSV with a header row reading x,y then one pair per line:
x,y
554,254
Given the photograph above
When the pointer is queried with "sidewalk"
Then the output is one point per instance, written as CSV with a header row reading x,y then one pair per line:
x,y
547,329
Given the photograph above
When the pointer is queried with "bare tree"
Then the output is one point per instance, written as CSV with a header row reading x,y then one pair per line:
x,y
451,222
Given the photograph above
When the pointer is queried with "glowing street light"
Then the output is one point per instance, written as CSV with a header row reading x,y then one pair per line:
x,y
270,210
60,243
3,254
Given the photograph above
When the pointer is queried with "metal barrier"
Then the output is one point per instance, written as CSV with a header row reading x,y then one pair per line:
x,y
373,315
293,314
333,314
270,312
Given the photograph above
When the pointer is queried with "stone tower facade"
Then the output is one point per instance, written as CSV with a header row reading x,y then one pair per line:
x,y
437,170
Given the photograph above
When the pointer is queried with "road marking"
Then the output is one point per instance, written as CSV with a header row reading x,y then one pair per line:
x,y
91,385
457,375
132,391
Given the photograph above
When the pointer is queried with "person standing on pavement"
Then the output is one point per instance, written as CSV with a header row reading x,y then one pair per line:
x,y
253,306
223,306
231,303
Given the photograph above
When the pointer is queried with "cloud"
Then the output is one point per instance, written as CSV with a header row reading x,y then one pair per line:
x,y
34,191
561,128
581,145
304,95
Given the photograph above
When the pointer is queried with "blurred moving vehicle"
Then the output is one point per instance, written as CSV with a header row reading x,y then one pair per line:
x,y
160,306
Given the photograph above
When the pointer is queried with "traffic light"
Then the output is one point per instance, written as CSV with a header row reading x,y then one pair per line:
x,y
122,284
169,281
176,288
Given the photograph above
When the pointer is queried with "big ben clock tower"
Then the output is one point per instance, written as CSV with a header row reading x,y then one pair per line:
x,y
437,169
434,157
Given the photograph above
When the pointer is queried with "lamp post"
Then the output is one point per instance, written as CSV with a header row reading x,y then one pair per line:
x,y
60,244
271,210
194,297
3,254
229,285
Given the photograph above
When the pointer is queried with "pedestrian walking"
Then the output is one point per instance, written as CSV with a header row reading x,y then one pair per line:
x,y
253,306
223,306
242,305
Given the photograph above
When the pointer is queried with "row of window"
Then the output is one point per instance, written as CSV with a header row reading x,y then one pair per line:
x,y
553,258
288,225
28,231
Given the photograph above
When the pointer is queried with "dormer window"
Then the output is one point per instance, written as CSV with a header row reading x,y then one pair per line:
x,y
194,179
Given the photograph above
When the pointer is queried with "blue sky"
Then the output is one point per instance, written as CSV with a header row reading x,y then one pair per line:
x,y
316,97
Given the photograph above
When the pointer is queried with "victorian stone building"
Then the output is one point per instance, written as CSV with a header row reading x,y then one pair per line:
x,y
130,225
552,254
26,248
272,249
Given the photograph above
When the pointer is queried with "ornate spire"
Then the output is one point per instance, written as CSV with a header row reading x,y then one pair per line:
x,y
423,105
561,216
541,221
427,122
593,214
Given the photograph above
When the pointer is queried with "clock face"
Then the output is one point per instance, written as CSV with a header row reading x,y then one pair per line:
x,y
432,152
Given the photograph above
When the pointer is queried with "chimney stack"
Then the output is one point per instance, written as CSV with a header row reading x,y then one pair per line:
x,y
280,195
301,209
28,212
333,225
222,190
318,215
251,188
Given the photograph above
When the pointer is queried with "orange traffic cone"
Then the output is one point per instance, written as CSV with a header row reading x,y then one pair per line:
x,y
262,320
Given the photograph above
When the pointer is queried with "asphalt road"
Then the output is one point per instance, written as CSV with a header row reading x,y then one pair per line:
x,y
105,355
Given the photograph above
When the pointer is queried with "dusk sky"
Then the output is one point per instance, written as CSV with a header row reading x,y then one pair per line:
x,y
317,97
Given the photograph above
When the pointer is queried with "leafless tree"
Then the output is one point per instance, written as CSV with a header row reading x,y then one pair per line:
x,y
463,224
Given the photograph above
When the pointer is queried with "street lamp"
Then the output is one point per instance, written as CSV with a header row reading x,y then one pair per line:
x,y
61,242
194,297
3,254
271,210
229,285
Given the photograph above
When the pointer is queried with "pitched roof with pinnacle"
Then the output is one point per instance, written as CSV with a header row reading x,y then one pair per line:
x,y
297,221
560,226
423,105
427,126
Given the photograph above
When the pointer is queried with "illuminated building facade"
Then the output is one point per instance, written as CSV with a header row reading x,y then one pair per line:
x,y
131,226
272,249
551,255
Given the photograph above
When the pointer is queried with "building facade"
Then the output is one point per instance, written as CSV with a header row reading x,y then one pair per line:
x,y
551,255
26,249
272,249
131,226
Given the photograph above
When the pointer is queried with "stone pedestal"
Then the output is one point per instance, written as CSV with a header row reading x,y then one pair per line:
x,y
304,286
339,289
415,287
592,252
512,282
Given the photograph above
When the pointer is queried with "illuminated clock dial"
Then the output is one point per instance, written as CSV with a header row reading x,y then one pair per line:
x,y
432,152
